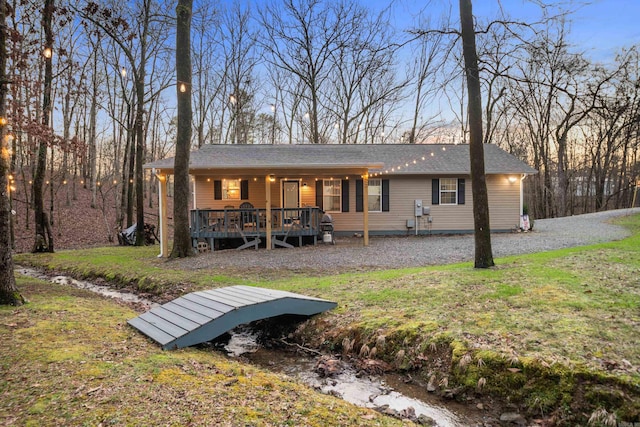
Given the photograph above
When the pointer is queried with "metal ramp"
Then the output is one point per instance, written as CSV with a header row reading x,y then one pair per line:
x,y
203,316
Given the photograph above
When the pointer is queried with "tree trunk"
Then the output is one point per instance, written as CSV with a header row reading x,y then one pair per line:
x,y
93,113
483,253
562,176
139,127
131,174
139,177
181,235
44,239
9,293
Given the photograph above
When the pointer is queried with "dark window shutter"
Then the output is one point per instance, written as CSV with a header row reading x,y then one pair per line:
x,y
385,195
217,190
461,191
345,195
319,193
359,195
244,189
435,191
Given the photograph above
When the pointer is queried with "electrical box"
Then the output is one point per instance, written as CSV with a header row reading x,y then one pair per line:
x,y
418,207
411,223
426,210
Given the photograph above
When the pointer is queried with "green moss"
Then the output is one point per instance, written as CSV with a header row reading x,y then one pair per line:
x,y
489,357
458,349
39,407
602,395
563,313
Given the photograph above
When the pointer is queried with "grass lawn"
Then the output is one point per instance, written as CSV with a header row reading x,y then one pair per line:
x,y
556,331
69,359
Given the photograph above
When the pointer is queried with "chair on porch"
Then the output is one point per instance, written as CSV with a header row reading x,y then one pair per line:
x,y
305,218
248,218
230,218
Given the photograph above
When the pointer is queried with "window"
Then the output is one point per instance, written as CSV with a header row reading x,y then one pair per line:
x,y
375,195
448,191
231,189
331,195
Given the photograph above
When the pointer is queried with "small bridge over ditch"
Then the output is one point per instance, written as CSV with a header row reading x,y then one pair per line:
x,y
203,316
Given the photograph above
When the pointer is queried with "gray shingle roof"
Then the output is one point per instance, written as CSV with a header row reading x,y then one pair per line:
x,y
410,158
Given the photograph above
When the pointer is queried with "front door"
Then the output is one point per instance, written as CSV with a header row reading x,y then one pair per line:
x,y
290,198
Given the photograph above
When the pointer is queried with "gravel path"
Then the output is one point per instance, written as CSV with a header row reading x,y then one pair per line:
x,y
395,252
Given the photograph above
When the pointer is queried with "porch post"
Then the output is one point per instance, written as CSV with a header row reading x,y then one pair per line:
x,y
267,213
365,207
162,215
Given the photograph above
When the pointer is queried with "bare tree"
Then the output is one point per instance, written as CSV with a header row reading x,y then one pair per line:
x,y
609,137
287,103
553,91
427,60
44,236
240,61
207,74
482,232
93,114
299,38
9,293
363,55
136,43
182,236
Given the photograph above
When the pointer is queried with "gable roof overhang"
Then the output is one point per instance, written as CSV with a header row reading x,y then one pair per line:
x,y
327,159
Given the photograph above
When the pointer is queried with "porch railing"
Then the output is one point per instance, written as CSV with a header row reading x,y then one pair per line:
x,y
236,223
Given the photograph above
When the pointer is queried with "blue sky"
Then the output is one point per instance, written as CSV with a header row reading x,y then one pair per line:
x,y
607,25
598,27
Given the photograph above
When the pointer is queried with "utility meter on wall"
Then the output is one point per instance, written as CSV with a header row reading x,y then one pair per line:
x,y
418,207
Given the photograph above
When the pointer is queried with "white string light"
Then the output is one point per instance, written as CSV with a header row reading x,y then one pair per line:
x,y
431,154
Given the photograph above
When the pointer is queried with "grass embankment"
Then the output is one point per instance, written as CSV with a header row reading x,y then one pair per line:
x,y
69,359
555,331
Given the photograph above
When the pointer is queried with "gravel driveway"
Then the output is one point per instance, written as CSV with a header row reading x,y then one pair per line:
x,y
394,252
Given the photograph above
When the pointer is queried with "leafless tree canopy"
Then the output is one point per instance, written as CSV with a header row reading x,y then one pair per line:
x,y
306,71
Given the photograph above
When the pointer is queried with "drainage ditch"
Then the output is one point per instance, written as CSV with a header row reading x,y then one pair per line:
x,y
391,394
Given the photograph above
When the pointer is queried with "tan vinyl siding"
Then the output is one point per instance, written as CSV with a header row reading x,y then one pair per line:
x,y
308,193
504,207
205,197
504,201
451,218
204,193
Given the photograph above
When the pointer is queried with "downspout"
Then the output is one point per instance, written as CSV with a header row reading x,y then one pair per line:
x,y
522,194
365,207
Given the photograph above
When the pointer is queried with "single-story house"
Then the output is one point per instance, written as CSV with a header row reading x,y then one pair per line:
x,y
273,193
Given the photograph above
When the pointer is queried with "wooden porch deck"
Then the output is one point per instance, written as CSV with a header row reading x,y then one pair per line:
x,y
248,226
203,316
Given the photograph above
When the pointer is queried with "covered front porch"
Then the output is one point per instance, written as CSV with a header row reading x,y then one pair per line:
x,y
246,227
248,209
269,196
